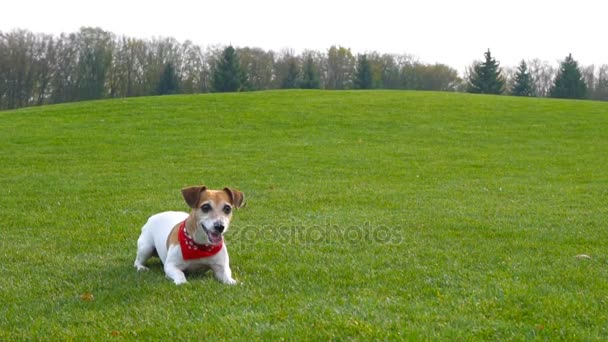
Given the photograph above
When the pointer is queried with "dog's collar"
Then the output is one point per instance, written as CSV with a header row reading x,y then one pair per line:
x,y
192,250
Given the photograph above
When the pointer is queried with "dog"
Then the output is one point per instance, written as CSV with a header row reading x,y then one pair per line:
x,y
195,241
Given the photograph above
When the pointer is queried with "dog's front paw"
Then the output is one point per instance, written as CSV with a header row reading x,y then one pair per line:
x,y
230,281
141,268
180,281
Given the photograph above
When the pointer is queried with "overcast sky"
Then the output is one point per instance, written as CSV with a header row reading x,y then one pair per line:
x,y
451,32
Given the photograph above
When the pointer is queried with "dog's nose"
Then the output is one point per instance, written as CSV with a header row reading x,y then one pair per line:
x,y
219,227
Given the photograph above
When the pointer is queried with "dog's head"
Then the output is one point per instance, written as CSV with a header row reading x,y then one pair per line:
x,y
211,212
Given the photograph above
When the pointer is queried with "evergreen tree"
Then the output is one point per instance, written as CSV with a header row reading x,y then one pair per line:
x,y
486,78
569,82
310,75
290,80
523,81
169,82
228,75
363,73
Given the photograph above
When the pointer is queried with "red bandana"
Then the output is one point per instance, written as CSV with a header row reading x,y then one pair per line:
x,y
193,250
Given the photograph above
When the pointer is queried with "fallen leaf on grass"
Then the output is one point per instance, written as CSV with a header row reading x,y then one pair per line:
x,y
87,297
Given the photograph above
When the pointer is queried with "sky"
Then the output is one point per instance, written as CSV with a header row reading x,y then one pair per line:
x,y
455,32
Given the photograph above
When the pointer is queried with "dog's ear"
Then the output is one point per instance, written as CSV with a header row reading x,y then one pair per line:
x,y
193,194
236,197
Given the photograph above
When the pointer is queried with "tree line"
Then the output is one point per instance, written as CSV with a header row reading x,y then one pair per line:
x,y
568,81
37,69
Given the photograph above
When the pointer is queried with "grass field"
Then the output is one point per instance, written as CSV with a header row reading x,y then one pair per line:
x,y
370,215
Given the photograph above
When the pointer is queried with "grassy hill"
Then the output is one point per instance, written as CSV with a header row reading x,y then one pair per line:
x,y
381,214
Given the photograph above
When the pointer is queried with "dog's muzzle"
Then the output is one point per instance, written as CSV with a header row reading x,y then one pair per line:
x,y
214,235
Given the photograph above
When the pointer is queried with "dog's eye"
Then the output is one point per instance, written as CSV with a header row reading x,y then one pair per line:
x,y
206,208
227,209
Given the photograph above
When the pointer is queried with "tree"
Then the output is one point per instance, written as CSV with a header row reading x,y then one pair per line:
x,y
419,76
290,80
95,48
340,68
169,81
310,74
158,53
601,89
256,65
523,82
363,73
385,71
63,82
541,74
44,61
285,70
192,68
486,78
569,82
18,74
588,74
227,75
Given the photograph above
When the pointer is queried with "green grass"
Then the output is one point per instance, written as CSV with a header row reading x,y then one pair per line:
x,y
371,215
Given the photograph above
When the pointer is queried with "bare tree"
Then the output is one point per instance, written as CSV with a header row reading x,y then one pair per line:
x,y
258,67
4,69
45,59
127,70
159,53
589,78
193,68
63,82
17,68
542,74
509,74
600,91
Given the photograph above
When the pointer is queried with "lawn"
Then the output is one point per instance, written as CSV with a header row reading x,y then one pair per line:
x,y
370,215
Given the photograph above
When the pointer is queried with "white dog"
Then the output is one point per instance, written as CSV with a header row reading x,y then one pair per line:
x,y
191,242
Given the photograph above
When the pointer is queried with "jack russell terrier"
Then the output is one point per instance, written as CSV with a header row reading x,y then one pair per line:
x,y
191,242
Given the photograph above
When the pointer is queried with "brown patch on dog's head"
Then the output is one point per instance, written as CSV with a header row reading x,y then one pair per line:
x,y
192,195
236,197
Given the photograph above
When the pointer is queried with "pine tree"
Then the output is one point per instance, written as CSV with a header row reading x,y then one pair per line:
x,y
310,75
169,82
569,82
363,73
290,80
228,75
486,78
523,81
